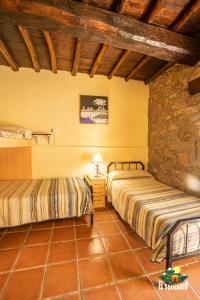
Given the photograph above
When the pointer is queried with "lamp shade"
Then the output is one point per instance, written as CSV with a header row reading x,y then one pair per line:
x,y
97,158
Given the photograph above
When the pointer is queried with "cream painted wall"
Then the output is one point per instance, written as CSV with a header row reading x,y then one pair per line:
x,y
41,101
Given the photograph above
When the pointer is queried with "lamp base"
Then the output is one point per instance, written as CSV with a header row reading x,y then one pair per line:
x,y
97,175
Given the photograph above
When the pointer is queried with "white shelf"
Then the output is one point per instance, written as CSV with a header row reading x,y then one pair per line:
x,y
36,135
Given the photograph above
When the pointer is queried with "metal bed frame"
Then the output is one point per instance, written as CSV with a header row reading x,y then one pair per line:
x,y
122,165
138,165
91,195
170,239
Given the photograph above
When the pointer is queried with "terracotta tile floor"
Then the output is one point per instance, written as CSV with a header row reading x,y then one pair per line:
x,y
69,259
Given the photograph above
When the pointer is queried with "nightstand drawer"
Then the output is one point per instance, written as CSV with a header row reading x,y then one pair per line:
x,y
99,197
100,189
99,203
98,181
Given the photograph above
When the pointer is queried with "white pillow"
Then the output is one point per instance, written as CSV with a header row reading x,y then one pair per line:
x,y
128,174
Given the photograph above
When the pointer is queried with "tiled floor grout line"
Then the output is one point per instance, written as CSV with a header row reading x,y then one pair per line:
x,y
111,270
190,284
77,266
59,226
149,274
140,264
155,287
96,287
65,241
80,239
194,290
46,265
86,258
14,264
112,283
74,260
77,260
63,295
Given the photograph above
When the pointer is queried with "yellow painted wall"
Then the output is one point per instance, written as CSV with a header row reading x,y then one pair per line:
x,y
41,101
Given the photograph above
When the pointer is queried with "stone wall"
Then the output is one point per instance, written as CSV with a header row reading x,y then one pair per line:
x,y
174,129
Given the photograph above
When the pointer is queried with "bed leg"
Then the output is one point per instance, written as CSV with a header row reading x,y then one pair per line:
x,y
168,263
91,219
169,258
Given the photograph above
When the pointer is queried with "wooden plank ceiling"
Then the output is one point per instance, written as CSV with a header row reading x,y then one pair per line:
x,y
133,39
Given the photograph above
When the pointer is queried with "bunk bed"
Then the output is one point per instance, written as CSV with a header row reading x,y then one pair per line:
x,y
167,219
15,132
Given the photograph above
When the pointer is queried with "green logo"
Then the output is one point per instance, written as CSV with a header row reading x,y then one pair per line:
x,y
173,276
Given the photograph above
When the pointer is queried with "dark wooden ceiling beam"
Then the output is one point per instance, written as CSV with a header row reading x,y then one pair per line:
x,y
177,25
119,63
151,11
86,1
29,44
165,67
98,25
120,9
77,55
52,51
98,59
194,86
138,66
8,56
192,8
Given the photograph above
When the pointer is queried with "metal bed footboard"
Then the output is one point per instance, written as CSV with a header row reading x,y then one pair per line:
x,y
170,240
91,195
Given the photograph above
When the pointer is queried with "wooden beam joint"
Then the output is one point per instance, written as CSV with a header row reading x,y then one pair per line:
x,y
118,64
52,51
29,44
77,55
145,59
98,59
8,56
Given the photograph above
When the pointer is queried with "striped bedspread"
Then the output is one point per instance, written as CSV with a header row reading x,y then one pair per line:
x,y
151,208
27,201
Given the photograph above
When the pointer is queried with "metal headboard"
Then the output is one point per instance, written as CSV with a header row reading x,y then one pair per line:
x,y
125,165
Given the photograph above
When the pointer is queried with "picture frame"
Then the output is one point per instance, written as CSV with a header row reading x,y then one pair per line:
x,y
93,109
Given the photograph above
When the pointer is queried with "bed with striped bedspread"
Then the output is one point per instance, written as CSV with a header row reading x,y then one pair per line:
x,y
28,201
151,208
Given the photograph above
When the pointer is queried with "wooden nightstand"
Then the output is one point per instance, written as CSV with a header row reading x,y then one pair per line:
x,y
98,185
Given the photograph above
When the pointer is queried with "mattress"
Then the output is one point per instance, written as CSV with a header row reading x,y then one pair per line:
x,y
28,201
151,208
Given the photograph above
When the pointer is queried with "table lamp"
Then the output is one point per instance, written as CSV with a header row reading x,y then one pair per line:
x,y
97,159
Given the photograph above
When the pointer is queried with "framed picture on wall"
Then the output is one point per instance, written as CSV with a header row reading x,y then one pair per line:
x,y
93,109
